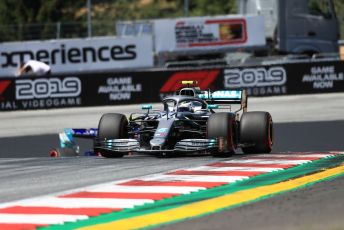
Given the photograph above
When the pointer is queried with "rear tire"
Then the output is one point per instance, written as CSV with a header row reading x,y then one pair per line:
x,y
112,126
256,128
223,125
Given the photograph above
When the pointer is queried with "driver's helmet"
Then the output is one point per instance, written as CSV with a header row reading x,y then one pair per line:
x,y
190,106
185,106
196,106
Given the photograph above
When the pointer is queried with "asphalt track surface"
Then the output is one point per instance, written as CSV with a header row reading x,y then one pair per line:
x,y
27,171
319,207
296,136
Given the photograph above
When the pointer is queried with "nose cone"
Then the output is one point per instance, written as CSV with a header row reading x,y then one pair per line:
x,y
157,143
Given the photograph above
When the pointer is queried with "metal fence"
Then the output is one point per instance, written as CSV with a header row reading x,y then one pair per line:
x,y
246,60
59,30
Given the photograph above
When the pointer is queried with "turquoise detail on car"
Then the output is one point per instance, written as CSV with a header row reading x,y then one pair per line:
x,y
213,106
222,94
162,130
146,106
67,140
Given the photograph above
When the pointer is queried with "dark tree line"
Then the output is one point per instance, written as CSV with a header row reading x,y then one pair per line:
x,y
46,19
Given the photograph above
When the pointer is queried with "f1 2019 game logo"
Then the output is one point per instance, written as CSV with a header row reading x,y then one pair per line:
x,y
257,81
47,88
40,93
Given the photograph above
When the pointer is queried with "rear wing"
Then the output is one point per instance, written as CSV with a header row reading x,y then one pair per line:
x,y
225,97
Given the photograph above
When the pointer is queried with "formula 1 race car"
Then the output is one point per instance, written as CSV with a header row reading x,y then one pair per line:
x,y
187,123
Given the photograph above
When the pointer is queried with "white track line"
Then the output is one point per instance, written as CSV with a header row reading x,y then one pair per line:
x,y
147,189
202,178
270,161
39,218
243,169
85,202
296,155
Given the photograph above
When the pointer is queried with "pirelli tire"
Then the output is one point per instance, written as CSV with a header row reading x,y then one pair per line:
x,y
222,126
112,126
256,132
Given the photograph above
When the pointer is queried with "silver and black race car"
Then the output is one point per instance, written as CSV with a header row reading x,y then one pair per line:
x,y
191,121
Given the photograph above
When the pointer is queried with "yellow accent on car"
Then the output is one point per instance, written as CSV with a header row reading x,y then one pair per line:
x,y
189,82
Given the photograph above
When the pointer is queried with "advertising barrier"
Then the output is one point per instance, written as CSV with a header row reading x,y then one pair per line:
x,y
73,55
208,33
284,79
24,93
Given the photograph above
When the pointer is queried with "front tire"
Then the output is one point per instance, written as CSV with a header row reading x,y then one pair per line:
x,y
112,126
256,129
222,126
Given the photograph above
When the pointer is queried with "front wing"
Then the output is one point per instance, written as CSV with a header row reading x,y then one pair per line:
x,y
133,146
